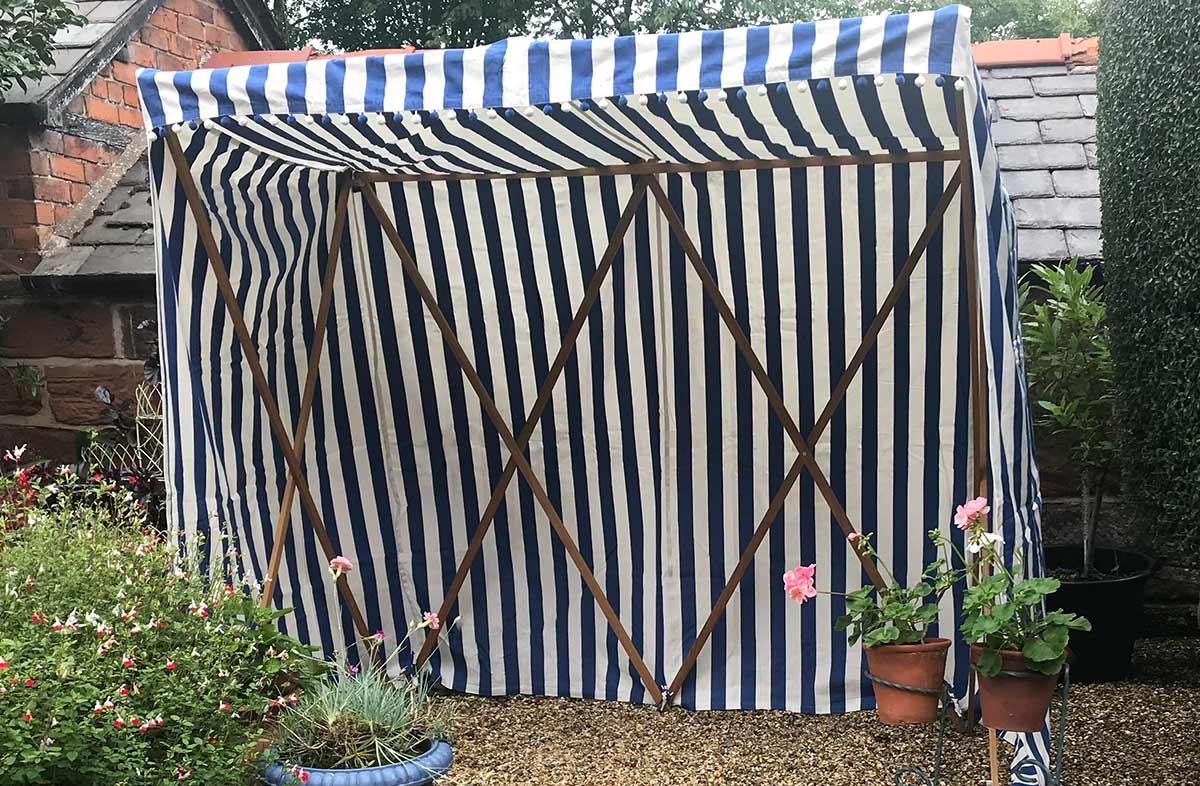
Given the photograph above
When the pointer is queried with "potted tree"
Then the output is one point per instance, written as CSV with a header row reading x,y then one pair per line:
x,y
893,624
1017,647
1070,372
361,725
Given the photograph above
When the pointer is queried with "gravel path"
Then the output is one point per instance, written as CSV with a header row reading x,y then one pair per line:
x,y
1141,732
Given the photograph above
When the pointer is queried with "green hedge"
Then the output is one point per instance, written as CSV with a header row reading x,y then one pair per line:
x,y
1149,148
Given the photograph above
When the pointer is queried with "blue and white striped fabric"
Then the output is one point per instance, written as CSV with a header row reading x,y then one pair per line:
x,y
658,447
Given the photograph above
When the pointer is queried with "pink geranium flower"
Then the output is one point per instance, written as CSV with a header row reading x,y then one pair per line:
x,y
432,620
339,565
970,512
799,583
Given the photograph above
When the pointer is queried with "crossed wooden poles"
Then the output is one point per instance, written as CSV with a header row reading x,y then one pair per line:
x,y
645,181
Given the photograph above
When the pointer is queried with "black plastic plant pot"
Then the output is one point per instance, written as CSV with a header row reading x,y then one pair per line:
x,y
1113,604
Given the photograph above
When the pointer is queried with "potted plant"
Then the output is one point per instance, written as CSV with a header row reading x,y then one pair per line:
x,y
893,624
363,726
1017,648
1070,370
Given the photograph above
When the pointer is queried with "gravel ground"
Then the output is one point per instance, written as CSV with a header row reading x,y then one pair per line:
x,y
1141,732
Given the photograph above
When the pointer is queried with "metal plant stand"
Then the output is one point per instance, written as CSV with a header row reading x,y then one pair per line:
x,y
931,778
1019,772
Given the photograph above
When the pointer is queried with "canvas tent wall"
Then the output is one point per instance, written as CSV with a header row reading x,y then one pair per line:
x,y
803,162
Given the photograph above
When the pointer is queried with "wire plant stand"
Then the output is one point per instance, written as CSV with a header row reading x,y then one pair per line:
x,y
1027,771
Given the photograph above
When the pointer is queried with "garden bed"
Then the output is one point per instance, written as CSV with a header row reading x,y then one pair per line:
x,y
1145,730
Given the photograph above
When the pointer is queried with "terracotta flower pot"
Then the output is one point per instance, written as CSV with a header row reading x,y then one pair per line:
x,y
919,665
1014,703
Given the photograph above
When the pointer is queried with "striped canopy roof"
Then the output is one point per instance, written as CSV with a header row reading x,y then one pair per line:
x,y
833,87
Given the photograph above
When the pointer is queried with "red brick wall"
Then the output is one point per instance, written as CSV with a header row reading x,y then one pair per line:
x,y
44,172
71,346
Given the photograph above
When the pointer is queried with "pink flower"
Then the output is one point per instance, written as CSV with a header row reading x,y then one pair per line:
x,y
339,565
854,537
432,620
170,666
970,512
28,716
378,635
127,662
29,683
799,583
3,663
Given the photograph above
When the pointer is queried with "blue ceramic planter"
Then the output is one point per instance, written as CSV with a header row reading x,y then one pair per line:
x,y
418,771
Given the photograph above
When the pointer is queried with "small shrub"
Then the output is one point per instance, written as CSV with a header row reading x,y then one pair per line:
x,y
361,718
121,662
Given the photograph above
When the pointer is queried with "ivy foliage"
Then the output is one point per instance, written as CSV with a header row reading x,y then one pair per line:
x,y
1150,186
27,29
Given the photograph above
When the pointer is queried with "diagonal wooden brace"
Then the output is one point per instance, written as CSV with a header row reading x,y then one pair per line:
x,y
794,472
221,273
591,294
518,455
310,387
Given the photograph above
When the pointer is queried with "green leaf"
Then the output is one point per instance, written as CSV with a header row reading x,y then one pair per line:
x,y
989,663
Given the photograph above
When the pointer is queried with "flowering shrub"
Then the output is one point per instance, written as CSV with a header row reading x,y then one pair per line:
x,y
122,663
892,615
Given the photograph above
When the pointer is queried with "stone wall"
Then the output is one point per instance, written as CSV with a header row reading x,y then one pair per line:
x,y
55,354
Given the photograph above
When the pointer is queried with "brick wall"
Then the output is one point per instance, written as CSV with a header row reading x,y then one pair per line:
x,y
46,172
55,351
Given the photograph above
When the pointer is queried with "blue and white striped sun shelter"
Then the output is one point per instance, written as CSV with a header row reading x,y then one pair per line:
x,y
738,227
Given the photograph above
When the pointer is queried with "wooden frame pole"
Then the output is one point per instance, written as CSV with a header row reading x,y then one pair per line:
x,y
517,454
310,387
804,460
221,273
978,363
591,295
656,168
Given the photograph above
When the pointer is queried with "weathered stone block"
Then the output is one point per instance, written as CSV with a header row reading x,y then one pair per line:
x,y
1058,212
1077,183
139,330
1085,243
1055,156
1041,245
1015,132
1079,129
1031,183
1008,88
1089,104
72,389
1041,108
1093,160
1070,85
44,329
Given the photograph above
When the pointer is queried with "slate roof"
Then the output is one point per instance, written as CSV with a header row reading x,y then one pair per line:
x,y
82,52
1044,127
1044,130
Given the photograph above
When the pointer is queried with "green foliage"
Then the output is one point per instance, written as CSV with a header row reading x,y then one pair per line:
x,y
349,25
124,664
1068,359
897,614
27,29
1150,185
1003,612
361,718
